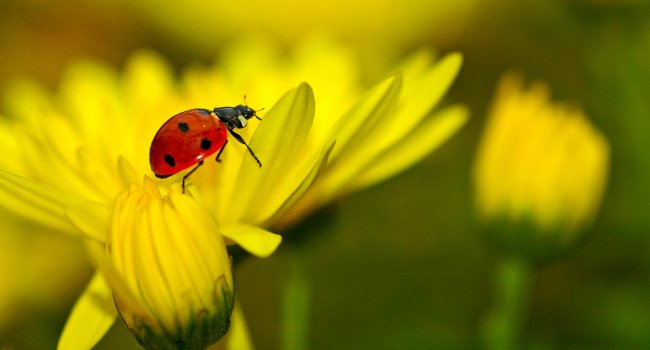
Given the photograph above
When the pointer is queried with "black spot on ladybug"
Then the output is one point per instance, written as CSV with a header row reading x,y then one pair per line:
x,y
206,144
183,127
170,160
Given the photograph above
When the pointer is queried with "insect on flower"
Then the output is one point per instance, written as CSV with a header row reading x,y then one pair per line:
x,y
189,137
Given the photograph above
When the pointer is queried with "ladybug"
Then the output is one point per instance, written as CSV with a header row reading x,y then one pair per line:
x,y
189,137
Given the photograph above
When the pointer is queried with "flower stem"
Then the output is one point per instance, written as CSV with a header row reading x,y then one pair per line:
x,y
504,323
295,301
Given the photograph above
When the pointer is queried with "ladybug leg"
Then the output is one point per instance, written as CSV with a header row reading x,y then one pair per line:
x,y
190,173
218,159
241,140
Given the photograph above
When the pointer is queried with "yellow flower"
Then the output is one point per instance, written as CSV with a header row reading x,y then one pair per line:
x,y
539,163
72,161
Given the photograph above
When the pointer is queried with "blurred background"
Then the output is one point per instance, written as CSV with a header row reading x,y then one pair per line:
x,y
400,265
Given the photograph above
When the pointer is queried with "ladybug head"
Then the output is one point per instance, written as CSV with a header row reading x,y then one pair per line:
x,y
236,117
247,112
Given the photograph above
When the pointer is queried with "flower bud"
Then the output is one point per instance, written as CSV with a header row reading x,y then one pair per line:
x,y
171,274
540,171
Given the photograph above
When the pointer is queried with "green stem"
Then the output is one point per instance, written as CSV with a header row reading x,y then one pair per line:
x,y
295,302
504,324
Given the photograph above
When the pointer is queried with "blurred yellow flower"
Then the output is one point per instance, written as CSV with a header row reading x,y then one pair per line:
x,y
539,162
386,25
73,159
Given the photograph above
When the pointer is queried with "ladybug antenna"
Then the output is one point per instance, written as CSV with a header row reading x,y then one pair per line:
x,y
258,110
256,116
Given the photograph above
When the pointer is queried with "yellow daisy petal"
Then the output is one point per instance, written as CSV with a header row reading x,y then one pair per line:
x,y
255,240
11,147
416,101
99,85
90,218
278,142
35,201
425,90
126,172
426,137
92,315
239,337
291,209
366,113
351,127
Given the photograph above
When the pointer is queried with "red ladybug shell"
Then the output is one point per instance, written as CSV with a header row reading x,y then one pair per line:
x,y
184,140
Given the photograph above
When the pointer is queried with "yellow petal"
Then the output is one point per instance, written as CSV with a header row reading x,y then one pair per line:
x,y
255,240
422,93
425,138
91,317
417,100
415,64
278,143
11,146
365,114
35,201
26,100
347,133
91,219
148,80
238,337
88,91
127,174
297,204
113,278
